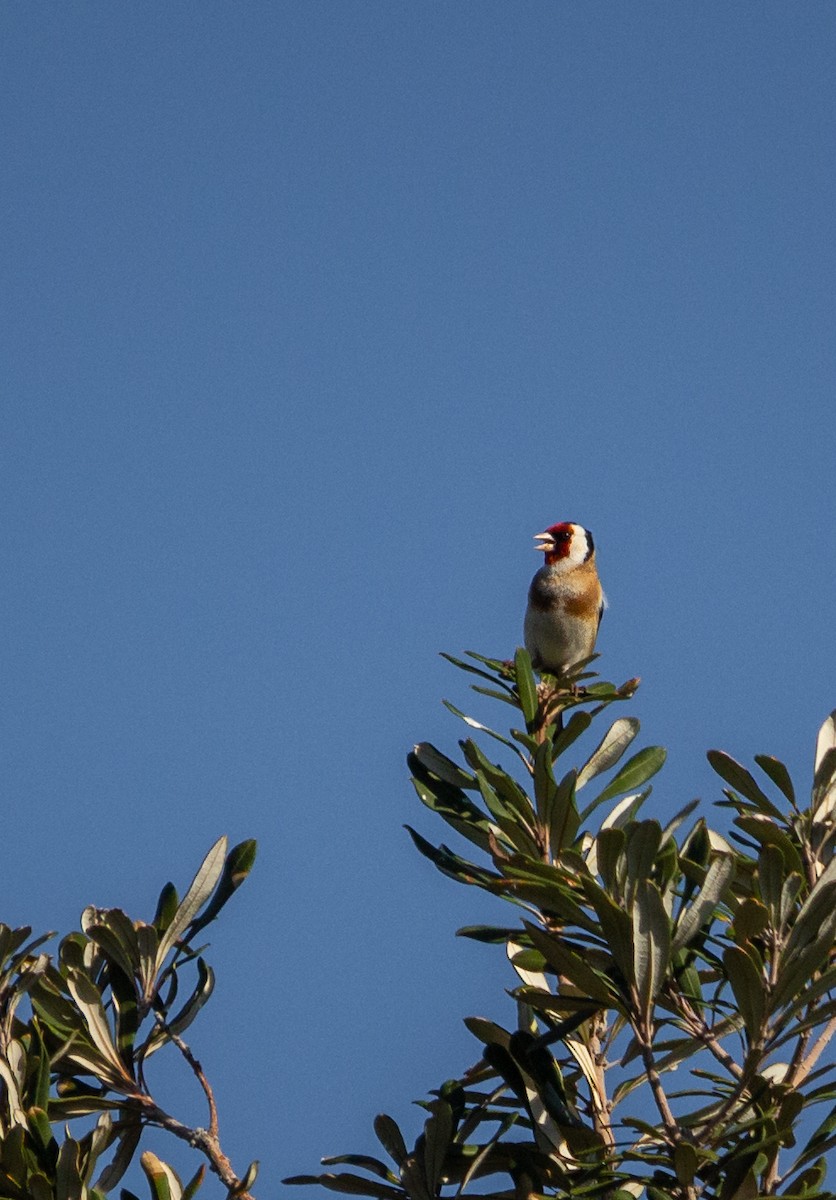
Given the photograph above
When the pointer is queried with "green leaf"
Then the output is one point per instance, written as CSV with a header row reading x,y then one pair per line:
x,y
166,907
491,676
237,866
691,920
68,1181
492,935
89,1000
391,1138
565,819
685,1162
815,909
747,983
610,749
739,778
114,933
454,807
444,768
451,864
200,890
526,687
616,927
352,1185
633,774
250,1176
182,1020
642,850
365,1162
799,960
438,1134
778,773
767,833
651,943
565,961
118,1165
825,742
577,724
191,1188
164,1182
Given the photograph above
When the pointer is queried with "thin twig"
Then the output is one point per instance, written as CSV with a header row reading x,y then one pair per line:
x,y
205,1140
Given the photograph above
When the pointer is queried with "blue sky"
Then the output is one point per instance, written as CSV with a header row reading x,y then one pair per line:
x,y
313,313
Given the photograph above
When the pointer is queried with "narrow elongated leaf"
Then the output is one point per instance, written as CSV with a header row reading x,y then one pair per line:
x,y
610,749
615,926
166,907
194,1183
577,724
717,879
118,1165
824,787
642,849
469,667
564,816
565,961
147,944
799,965
526,686
778,773
816,906
112,947
438,1134
68,1182
633,774
200,890
439,764
825,741
748,986
365,1162
768,833
181,1021
651,943
348,1184
740,779
89,1000
474,724
164,1182
391,1138
545,784
237,866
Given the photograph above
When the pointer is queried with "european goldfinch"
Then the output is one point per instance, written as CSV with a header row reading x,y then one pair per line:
x,y
565,600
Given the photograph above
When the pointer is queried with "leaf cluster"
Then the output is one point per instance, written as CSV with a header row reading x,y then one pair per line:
x,y
676,988
77,1030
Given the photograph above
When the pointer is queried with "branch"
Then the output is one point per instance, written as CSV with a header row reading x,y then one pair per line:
x,y
206,1141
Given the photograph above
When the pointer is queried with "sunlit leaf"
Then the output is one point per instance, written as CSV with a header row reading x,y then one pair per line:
x,y
718,877
200,890
633,774
651,943
610,749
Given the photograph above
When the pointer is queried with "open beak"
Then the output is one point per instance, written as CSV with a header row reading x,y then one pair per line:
x,y
545,542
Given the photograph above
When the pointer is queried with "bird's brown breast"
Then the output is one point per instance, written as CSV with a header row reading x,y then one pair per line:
x,y
577,594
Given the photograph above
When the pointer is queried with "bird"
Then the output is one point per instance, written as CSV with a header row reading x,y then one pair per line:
x,y
565,600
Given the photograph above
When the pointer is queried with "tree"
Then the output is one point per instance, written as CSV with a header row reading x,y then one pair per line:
x,y
677,988
77,1029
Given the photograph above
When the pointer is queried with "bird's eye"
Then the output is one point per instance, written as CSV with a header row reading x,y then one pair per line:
x,y
564,535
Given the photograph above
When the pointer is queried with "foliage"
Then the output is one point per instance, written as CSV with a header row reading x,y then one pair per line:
x,y
677,989
76,1032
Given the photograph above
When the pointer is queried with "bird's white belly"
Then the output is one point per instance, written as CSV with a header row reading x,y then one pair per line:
x,y
557,642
